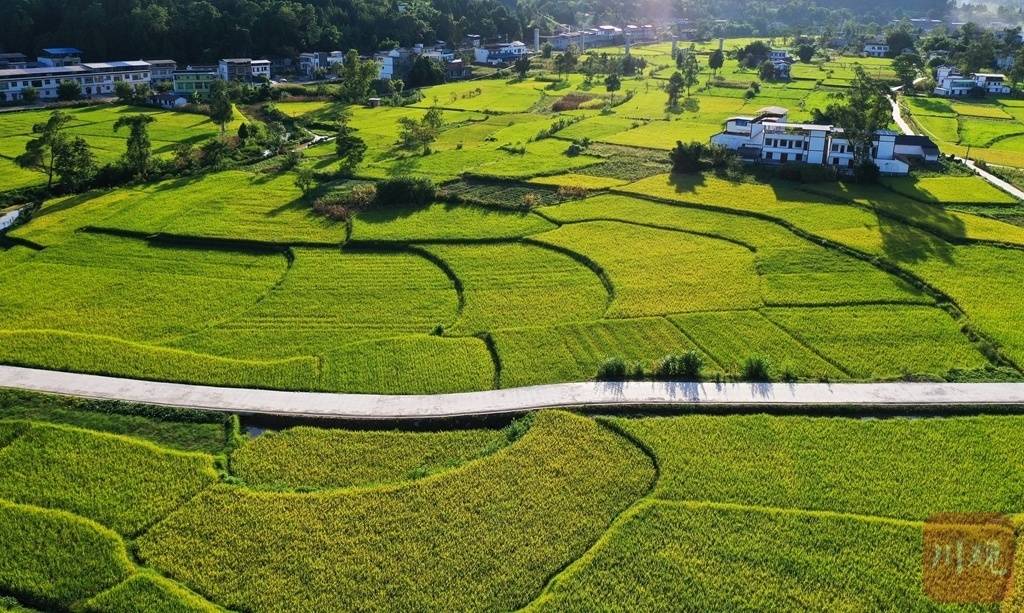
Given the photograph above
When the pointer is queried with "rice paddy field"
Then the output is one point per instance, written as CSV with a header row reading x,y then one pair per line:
x,y
549,511
558,241
992,129
96,125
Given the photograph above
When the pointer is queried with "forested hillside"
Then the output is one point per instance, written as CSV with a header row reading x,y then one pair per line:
x,y
203,30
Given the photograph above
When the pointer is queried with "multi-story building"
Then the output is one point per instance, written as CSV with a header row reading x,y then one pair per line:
x,y
57,57
162,71
195,80
312,61
768,138
951,84
503,53
235,69
13,60
260,69
876,49
95,79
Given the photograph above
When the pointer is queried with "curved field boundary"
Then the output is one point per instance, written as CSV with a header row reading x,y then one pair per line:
x,y
716,397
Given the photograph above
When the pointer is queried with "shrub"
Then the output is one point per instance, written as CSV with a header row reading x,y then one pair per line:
x,y
612,369
756,368
577,147
343,204
685,366
417,191
572,192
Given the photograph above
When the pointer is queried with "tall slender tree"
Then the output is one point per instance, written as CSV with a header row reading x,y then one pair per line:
x,y
136,156
41,152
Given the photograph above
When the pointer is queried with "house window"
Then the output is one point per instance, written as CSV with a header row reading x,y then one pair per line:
x,y
768,155
784,157
835,161
799,157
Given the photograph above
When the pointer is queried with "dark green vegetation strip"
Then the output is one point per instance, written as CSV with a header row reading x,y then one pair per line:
x,y
485,536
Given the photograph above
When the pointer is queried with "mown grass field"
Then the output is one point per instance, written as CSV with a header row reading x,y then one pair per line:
x,y
553,511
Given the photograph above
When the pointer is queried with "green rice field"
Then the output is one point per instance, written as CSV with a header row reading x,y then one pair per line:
x,y
551,511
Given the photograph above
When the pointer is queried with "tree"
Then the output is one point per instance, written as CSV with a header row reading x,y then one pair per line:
x,y
690,71
69,90
413,134
356,76
566,61
29,95
674,86
425,71
753,54
74,163
545,50
350,148
522,66
243,132
863,112
685,157
716,60
899,40
137,154
41,151
766,70
906,67
805,53
124,92
612,84
1016,73
305,180
219,101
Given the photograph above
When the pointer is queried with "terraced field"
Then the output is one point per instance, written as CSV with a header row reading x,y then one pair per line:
x,y
993,129
96,125
553,511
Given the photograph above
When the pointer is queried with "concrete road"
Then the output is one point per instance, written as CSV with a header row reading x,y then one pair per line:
x,y
516,400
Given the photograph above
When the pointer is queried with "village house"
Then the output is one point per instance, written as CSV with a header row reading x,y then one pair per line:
x,y
162,71
313,61
195,80
768,138
95,78
57,57
168,101
243,69
876,49
950,83
13,60
500,54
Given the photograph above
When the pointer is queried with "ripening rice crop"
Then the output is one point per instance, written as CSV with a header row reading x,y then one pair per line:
x,y
130,290
941,129
487,535
596,128
992,111
664,134
517,284
305,457
655,271
486,95
979,132
233,205
727,558
51,559
60,218
929,106
900,468
151,593
730,337
441,221
876,342
418,364
121,483
578,181
331,298
573,352
963,190
793,270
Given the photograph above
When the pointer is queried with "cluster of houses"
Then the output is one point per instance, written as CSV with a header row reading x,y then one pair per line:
x,y
951,84
56,65
600,36
769,138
